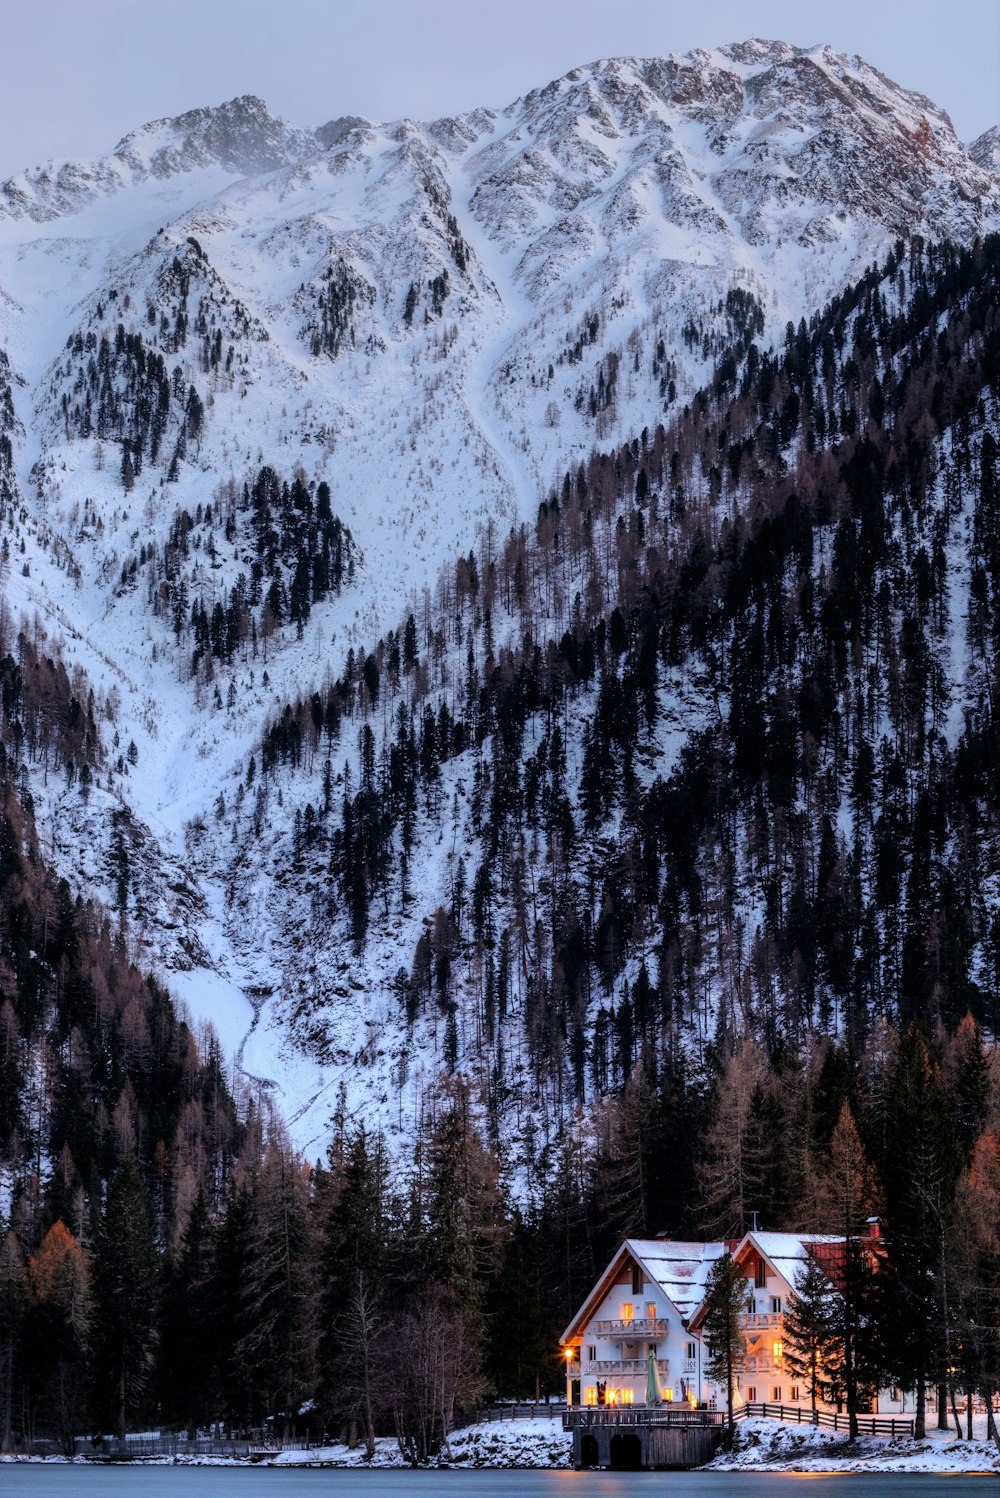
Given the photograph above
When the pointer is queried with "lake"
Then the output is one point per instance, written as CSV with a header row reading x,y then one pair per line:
x,y
34,1480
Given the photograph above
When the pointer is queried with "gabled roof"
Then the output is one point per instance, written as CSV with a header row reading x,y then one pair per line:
x,y
679,1270
787,1252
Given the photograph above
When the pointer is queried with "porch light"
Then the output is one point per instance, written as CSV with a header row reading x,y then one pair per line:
x,y
569,1354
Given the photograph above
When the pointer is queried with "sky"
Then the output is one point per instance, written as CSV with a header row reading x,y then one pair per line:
x,y
77,75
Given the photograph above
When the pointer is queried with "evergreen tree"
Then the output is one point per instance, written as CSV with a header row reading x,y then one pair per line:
x,y
728,1299
919,1175
354,1226
12,1303
810,1327
125,1286
188,1339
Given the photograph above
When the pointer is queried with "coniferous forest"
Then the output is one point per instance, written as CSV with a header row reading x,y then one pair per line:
x,y
766,981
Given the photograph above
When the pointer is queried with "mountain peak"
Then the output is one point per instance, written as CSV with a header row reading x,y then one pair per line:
x,y
240,135
985,150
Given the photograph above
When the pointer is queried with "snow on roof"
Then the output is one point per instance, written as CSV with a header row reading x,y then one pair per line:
x,y
787,1252
680,1269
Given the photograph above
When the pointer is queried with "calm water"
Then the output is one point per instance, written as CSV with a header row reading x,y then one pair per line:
x,y
30,1481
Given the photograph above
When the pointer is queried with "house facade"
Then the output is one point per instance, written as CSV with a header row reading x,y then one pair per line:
x,y
651,1299
642,1303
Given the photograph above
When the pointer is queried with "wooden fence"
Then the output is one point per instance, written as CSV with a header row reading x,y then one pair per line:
x,y
868,1425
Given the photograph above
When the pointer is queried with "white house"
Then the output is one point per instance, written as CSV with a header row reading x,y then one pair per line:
x,y
651,1298
642,1303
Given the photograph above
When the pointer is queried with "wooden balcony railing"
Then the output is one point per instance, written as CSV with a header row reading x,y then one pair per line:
x,y
641,1326
762,1320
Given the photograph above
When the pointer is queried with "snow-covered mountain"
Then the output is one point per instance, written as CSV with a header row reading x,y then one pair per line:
x,y
433,320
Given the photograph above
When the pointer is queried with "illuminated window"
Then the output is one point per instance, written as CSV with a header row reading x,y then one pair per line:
x,y
651,1309
628,1311
590,1394
668,1396
627,1396
778,1349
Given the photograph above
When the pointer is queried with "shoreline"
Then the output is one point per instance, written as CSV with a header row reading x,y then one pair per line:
x,y
762,1446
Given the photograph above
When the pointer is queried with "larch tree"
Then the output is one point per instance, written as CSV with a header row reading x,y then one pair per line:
x,y
851,1198
57,1331
974,1240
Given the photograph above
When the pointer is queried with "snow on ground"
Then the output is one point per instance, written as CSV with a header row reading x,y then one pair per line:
x,y
780,1446
596,220
538,1442
761,1445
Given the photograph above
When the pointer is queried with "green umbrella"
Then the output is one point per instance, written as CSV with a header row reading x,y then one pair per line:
x,y
654,1393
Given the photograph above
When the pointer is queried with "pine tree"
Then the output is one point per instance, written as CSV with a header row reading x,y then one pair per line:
x,y
188,1341
809,1327
12,1304
354,1225
727,1300
125,1286
919,1175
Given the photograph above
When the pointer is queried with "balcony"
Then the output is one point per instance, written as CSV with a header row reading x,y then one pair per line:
x,y
572,1370
626,1367
689,1365
762,1321
630,1331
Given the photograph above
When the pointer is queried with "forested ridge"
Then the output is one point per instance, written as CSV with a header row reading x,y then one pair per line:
x,y
787,599
714,743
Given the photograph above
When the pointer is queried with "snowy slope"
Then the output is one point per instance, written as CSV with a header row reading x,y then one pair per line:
x,y
436,319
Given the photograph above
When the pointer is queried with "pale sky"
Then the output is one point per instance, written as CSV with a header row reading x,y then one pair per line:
x,y
77,75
